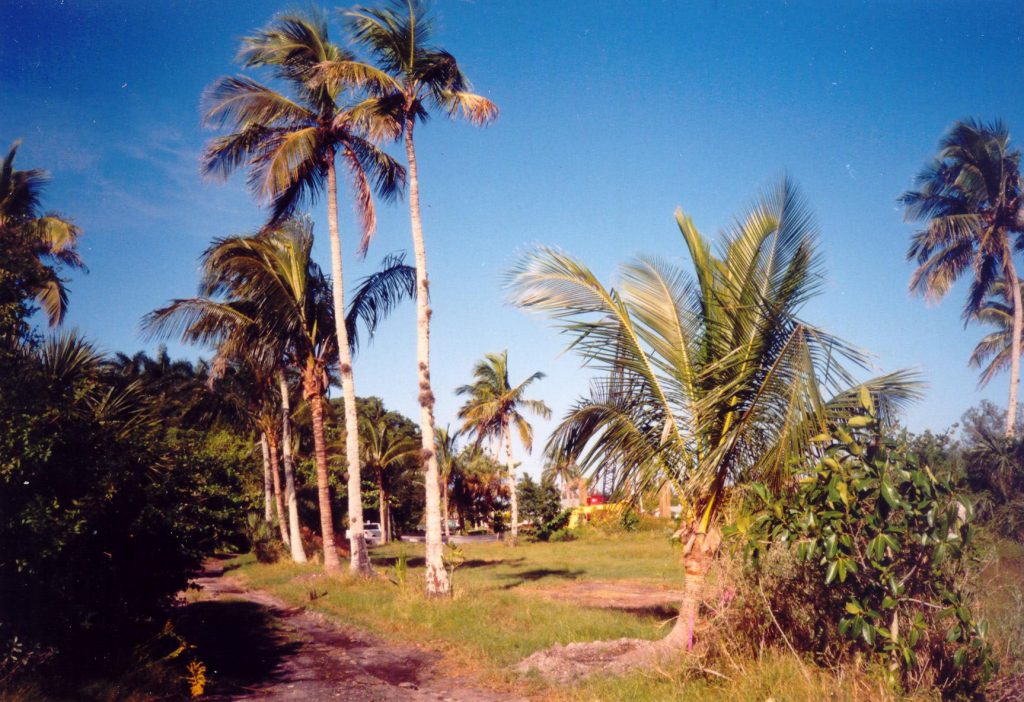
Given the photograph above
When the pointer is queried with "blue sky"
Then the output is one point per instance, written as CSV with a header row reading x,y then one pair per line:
x,y
613,114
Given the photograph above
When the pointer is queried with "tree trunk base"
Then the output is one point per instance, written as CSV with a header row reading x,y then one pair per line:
x,y
569,662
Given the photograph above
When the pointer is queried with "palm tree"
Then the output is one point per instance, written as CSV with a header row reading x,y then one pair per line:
x,y
277,306
290,146
418,77
568,473
493,408
713,380
971,198
384,449
992,354
40,242
448,465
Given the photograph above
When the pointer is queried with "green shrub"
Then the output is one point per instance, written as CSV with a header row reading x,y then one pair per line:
x,y
553,525
875,550
263,542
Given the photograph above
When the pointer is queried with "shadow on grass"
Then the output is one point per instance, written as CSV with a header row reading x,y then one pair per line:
x,y
529,576
418,562
236,641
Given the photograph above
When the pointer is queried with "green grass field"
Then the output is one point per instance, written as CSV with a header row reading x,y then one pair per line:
x,y
497,617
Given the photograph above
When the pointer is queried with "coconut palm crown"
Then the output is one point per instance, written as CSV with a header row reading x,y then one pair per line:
x,y
712,378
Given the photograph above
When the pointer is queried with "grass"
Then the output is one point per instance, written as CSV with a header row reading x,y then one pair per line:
x,y
496,617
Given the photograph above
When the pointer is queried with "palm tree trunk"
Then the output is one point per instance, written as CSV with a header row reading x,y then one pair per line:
x,y
512,487
332,564
360,559
295,534
698,554
1015,346
444,509
436,575
665,501
382,507
268,508
282,522
582,491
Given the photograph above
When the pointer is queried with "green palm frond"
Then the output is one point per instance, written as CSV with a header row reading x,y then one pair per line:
x,y
377,295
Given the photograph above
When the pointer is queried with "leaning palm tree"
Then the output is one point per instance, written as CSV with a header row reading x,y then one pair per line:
x,y
290,145
493,408
972,201
277,303
419,77
712,379
41,241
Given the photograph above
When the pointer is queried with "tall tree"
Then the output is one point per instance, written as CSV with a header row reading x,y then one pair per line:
x,y
35,243
493,408
420,77
970,198
290,146
276,303
714,380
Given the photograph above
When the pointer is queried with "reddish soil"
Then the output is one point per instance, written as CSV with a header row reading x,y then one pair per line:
x,y
256,646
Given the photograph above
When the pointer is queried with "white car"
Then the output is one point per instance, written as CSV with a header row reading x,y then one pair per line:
x,y
371,532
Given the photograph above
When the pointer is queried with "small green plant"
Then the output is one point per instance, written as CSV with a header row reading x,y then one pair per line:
x,y
453,557
629,520
401,568
885,540
196,678
554,525
262,539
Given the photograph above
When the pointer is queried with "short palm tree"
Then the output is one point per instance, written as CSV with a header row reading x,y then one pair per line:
x,y
971,199
290,145
419,77
448,460
494,407
384,450
41,241
712,379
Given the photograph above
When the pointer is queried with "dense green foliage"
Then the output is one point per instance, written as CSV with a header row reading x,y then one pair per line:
x,y
882,551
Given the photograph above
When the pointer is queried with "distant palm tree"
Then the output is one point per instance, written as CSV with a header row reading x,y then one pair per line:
x,y
971,199
448,465
713,380
40,240
384,450
290,146
493,408
568,473
420,76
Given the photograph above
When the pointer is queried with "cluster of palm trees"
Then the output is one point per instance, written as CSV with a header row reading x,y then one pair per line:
x,y
264,302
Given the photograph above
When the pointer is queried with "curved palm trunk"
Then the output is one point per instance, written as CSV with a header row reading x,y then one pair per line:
x,y
1015,346
698,554
282,523
332,564
360,559
295,534
436,575
513,496
268,509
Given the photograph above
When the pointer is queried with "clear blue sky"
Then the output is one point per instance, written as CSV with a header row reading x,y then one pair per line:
x,y
613,113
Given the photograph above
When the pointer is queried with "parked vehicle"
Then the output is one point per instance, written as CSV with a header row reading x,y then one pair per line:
x,y
372,532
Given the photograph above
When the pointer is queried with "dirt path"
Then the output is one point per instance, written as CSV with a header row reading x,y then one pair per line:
x,y
257,647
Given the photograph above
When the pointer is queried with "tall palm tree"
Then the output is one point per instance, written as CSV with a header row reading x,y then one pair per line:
x,y
278,304
290,145
714,379
493,408
418,77
568,473
41,241
971,198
